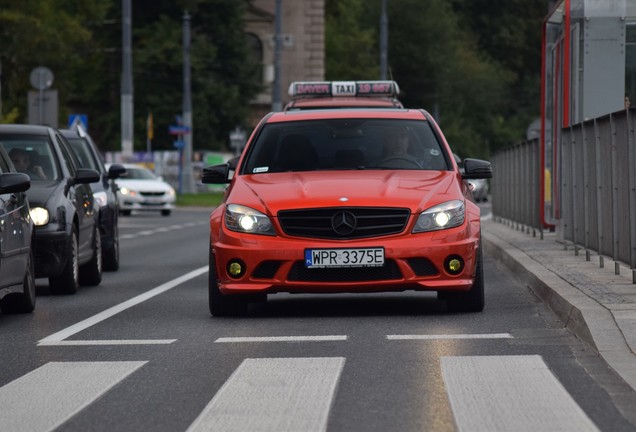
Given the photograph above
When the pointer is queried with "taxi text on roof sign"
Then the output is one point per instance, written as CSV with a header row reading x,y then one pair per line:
x,y
300,89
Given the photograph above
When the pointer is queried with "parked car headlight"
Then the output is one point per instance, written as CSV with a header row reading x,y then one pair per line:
x,y
244,219
101,198
171,192
443,216
39,215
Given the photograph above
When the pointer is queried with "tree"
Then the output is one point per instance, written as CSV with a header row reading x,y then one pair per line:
x,y
51,34
351,49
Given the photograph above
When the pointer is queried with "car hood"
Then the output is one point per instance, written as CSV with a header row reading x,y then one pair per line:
x,y
415,190
144,185
40,192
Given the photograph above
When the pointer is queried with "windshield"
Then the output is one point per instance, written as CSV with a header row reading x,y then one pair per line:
x,y
138,174
32,155
345,144
83,153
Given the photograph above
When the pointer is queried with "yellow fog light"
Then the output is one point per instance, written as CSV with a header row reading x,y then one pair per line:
x,y
235,268
454,265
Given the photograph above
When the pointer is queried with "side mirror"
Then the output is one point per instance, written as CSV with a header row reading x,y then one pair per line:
x,y
14,182
116,171
233,163
476,169
85,175
216,174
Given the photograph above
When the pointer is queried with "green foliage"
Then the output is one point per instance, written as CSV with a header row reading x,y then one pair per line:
x,y
351,50
473,64
80,41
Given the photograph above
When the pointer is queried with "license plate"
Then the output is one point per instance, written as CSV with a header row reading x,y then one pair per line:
x,y
334,258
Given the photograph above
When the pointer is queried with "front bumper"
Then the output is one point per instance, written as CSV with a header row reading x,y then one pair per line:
x,y
141,203
412,262
51,251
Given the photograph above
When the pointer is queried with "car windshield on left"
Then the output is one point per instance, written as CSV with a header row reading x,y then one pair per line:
x,y
32,155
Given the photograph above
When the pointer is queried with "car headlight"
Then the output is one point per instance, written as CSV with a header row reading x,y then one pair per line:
x,y
39,215
126,191
101,199
244,219
443,216
171,192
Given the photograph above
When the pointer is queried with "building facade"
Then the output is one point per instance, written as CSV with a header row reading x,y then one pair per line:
x,y
302,56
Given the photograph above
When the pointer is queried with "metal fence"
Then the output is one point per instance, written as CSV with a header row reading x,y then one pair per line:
x,y
515,185
597,190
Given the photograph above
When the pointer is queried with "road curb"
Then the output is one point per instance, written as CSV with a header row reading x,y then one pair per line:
x,y
590,321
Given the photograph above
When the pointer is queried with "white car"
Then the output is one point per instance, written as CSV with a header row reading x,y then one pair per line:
x,y
140,189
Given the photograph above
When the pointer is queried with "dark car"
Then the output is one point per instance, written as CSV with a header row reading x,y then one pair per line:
x,y
104,192
62,206
17,283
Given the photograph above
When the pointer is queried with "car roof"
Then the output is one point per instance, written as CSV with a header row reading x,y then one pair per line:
x,y
69,132
25,129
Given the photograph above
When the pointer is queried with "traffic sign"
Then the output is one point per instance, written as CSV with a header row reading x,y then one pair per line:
x,y
75,120
179,144
178,130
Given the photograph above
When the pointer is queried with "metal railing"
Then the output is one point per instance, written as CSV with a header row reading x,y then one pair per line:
x,y
597,190
514,188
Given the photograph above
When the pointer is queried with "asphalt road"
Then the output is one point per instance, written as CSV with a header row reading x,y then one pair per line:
x,y
140,352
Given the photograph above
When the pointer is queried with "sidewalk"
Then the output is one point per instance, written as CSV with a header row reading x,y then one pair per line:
x,y
597,305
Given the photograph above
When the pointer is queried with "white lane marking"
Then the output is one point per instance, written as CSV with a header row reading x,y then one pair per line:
x,y
509,393
327,338
158,230
451,336
108,342
88,322
45,398
274,394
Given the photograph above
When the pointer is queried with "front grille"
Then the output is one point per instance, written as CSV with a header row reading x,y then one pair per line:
x,y
300,273
422,267
319,223
152,194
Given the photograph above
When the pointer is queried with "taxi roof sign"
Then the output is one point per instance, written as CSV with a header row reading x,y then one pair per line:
x,y
382,88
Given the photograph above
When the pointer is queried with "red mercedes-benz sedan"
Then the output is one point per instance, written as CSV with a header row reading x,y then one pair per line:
x,y
345,200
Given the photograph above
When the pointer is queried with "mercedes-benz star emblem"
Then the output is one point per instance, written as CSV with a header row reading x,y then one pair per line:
x,y
343,223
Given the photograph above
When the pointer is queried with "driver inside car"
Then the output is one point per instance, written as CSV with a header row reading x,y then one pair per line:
x,y
396,147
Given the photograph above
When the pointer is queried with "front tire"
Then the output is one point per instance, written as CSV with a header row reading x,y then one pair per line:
x,y
23,302
165,212
221,304
68,281
472,300
91,272
111,256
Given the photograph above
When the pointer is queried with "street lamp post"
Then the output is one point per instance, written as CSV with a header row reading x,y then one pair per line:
x,y
189,186
127,83
384,41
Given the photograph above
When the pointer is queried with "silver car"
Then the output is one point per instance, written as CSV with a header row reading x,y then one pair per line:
x,y
140,189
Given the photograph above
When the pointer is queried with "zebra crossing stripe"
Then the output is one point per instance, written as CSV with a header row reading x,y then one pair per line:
x,y
45,398
509,393
274,394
